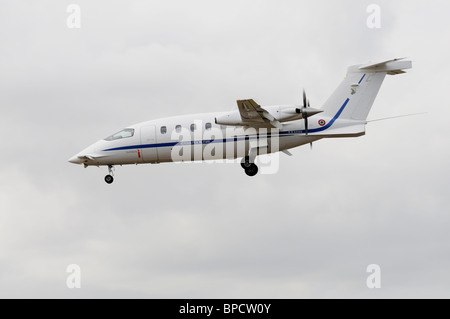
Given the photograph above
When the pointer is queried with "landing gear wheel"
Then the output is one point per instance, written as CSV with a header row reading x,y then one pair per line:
x,y
245,162
109,179
252,170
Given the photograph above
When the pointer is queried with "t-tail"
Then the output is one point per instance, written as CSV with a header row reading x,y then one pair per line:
x,y
352,100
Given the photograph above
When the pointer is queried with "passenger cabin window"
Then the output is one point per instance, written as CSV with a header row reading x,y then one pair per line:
x,y
163,129
178,128
193,127
208,126
128,132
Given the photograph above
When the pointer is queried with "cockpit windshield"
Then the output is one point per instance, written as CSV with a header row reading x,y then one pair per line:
x,y
128,132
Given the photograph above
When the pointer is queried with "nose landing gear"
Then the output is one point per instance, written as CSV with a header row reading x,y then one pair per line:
x,y
109,178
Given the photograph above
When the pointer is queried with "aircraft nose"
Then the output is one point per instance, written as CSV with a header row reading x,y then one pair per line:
x,y
74,159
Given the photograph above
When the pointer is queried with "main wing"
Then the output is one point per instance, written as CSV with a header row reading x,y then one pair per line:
x,y
253,114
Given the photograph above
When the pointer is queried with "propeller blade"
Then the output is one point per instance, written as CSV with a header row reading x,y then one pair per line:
x,y
304,113
306,125
304,98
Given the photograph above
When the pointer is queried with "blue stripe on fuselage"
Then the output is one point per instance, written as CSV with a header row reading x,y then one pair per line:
x,y
233,139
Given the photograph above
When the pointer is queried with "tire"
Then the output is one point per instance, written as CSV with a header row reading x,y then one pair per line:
x,y
109,179
252,170
245,162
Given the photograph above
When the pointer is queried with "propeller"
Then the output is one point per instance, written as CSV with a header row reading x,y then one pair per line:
x,y
305,111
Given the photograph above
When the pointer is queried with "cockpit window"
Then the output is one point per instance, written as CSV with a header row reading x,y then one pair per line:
x,y
128,132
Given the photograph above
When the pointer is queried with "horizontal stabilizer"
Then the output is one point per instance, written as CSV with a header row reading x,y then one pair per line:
x,y
391,67
345,131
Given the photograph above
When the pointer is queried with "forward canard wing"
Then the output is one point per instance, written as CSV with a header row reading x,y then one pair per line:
x,y
86,159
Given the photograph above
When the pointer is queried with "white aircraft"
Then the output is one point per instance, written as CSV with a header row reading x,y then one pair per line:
x,y
249,131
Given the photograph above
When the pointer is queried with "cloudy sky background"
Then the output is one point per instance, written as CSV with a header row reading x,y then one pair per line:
x,y
208,230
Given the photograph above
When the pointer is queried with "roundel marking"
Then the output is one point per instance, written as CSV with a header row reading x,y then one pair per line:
x,y
322,122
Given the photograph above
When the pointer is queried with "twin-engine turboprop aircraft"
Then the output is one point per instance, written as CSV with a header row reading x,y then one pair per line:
x,y
249,131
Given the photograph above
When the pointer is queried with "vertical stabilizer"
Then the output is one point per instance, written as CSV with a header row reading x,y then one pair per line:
x,y
360,87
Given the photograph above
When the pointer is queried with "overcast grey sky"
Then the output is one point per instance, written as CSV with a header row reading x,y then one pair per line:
x,y
208,230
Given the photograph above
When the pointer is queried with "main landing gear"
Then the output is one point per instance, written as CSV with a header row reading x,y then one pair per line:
x,y
250,168
109,178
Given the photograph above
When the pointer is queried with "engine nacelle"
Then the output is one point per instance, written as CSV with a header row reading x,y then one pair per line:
x,y
288,113
274,113
232,118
